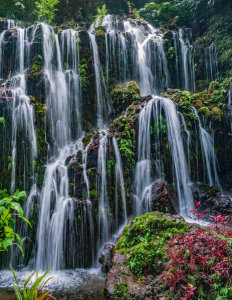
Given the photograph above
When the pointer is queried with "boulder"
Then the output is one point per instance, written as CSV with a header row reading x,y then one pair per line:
x,y
163,198
212,201
106,257
122,284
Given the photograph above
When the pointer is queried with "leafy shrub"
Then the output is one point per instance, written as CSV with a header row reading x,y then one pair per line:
x,y
46,9
10,207
200,262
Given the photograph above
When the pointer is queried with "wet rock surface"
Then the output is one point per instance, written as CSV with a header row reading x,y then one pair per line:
x,y
106,257
122,284
163,198
213,202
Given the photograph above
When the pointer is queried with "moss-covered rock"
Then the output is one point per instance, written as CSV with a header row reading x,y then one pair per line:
x,y
125,95
140,252
211,102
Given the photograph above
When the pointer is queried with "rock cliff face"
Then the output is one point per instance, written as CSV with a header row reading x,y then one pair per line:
x,y
84,135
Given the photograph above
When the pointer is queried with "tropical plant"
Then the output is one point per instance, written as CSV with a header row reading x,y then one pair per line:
x,y
46,10
101,13
10,208
35,291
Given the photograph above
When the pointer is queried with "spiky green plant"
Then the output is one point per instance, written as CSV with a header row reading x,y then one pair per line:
x,y
101,13
35,291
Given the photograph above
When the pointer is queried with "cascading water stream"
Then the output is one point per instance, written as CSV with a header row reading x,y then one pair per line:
x,y
52,229
229,105
63,101
208,154
130,47
119,183
9,24
188,139
103,103
22,112
211,62
187,59
182,179
143,178
103,201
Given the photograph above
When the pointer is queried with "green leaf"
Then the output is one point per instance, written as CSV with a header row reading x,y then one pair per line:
x,y
16,206
7,242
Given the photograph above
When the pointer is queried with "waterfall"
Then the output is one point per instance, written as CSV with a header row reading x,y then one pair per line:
x,y
143,178
131,49
103,201
22,115
56,210
119,183
211,64
72,227
182,179
88,202
187,59
208,154
177,55
63,96
188,140
103,104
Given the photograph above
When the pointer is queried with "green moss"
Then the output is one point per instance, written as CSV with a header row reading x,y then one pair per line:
x,y
125,134
93,193
210,102
109,165
134,88
205,110
86,140
144,241
100,30
210,190
120,291
217,113
124,95
39,108
36,65
35,68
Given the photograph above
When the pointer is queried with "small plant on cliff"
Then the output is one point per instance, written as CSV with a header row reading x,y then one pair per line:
x,y
35,291
101,13
9,209
84,73
2,121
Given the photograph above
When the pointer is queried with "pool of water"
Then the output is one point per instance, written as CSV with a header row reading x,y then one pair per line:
x,y
65,285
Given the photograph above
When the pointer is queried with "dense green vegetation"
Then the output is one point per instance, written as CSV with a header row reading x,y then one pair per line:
x,y
160,12
10,208
144,240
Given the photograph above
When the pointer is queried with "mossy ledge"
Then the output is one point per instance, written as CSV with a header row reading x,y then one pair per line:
x,y
140,255
142,259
